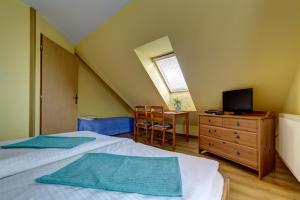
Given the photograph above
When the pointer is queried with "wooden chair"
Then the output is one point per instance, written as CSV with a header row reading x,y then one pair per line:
x,y
141,120
158,123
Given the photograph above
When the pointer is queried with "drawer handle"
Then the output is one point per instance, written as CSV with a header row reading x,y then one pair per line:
x,y
209,131
237,137
238,153
238,123
209,144
224,142
235,133
209,120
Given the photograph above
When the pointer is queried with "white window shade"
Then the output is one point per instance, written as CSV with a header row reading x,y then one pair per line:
x,y
172,74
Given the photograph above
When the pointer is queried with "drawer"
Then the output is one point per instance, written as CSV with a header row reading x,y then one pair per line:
x,y
207,130
213,121
241,124
234,152
238,137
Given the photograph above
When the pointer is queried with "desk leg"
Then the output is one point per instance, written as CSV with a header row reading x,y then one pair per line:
x,y
187,127
174,132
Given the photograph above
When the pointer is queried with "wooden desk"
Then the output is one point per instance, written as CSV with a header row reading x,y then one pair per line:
x,y
174,116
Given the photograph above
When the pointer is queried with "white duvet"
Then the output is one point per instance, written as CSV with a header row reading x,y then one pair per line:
x,y
200,179
13,161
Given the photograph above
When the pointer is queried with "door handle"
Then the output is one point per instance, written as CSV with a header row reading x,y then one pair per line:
x,y
76,98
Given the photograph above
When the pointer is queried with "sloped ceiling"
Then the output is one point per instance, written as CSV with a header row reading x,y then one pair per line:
x,y
76,18
221,45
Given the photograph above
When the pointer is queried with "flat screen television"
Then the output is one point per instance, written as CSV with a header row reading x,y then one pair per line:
x,y
238,101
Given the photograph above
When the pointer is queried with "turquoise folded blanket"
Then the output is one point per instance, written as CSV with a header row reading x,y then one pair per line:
x,y
158,176
41,142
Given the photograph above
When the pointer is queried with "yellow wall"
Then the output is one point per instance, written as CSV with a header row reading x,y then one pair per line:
x,y
95,98
292,103
14,69
220,45
14,73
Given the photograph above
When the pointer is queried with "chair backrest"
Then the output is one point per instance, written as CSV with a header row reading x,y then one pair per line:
x,y
140,113
157,114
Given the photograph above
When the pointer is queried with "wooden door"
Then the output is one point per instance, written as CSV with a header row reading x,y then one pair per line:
x,y
59,78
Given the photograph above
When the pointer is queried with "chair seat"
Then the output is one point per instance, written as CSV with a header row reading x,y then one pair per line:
x,y
162,126
144,123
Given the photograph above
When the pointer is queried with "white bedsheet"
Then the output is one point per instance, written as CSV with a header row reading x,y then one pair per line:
x,y
217,187
13,161
200,179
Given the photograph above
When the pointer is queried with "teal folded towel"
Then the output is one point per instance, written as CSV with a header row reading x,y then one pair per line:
x,y
41,142
157,176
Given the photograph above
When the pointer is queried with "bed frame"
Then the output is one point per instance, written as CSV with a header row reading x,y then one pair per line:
x,y
225,195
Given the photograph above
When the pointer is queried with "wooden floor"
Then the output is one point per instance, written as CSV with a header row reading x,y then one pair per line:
x,y
244,184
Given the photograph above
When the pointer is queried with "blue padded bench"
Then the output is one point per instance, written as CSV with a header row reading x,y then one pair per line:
x,y
107,126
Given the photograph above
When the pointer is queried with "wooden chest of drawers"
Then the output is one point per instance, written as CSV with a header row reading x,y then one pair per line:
x,y
248,140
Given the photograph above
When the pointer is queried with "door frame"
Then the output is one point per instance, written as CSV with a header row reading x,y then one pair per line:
x,y
41,81
32,74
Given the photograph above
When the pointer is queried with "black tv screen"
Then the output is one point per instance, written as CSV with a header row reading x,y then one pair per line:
x,y
238,101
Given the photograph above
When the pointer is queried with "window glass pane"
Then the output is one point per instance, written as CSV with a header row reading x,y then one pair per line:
x,y
171,72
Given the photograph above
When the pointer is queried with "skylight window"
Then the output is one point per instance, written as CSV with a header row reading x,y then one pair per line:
x,y
171,73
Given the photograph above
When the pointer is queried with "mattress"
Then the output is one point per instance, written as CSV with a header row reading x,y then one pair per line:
x,y
13,161
217,187
200,179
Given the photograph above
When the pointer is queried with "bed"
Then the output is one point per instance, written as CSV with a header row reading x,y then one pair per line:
x,y
13,161
106,126
200,177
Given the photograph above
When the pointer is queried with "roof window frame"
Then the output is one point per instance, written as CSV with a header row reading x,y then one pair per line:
x,y
164,56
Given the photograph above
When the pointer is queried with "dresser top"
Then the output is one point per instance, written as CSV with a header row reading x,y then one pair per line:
x,y
254,115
